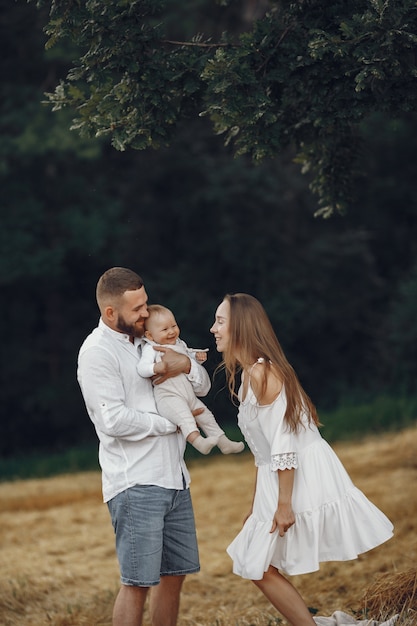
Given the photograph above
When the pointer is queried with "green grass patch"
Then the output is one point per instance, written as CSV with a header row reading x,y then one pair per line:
x,y
381,414
44,464
349,421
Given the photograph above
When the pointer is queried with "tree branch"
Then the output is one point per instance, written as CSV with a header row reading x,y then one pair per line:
x,y
197,44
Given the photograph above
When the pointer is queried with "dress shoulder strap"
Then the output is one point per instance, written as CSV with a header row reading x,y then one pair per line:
x,y
260,360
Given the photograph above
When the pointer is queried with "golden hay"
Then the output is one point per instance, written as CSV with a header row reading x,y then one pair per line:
x,y
391,594
58,563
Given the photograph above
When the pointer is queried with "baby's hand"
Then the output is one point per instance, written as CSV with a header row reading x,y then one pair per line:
x,y
201,356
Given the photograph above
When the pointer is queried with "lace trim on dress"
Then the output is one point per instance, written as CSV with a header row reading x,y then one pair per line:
x,y
287,460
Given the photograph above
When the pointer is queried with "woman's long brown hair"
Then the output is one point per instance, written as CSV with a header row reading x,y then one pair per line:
x,y
252,337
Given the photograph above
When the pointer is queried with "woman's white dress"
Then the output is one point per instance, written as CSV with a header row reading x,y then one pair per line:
x,y
334,521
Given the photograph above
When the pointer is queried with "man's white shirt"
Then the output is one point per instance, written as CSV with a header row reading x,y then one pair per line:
x,y
137,445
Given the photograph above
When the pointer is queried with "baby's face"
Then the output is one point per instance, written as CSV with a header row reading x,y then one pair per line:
x,y
162,328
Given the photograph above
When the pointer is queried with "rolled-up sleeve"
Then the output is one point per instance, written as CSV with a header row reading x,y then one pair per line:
x,y
104,395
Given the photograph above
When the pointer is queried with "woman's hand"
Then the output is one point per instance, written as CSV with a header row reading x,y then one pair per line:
x,y
283,519
284,516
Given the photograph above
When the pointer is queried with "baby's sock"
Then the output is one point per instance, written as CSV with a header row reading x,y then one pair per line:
x,y
204,444
230,447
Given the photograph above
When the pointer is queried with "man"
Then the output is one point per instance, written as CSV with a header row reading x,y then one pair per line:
x,y
145,480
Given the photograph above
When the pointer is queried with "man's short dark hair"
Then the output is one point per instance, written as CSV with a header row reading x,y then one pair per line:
x,y
114,282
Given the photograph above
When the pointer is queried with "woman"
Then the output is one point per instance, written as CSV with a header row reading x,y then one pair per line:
x,y
305,508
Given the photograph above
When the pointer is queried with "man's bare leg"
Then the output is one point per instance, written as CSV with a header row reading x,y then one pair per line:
x,y
284,597
164,601
129,605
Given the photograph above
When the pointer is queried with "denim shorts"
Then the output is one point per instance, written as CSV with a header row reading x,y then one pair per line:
x,y
155,534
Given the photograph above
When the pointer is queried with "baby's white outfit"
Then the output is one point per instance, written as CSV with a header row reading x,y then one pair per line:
x,y
175,397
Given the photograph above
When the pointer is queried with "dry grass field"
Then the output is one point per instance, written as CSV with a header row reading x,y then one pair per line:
x,y
58,564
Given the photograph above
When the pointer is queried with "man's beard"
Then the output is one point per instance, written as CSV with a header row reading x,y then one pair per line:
x,y
130,329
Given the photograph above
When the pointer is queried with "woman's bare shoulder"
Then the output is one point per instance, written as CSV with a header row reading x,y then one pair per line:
x,y
265,393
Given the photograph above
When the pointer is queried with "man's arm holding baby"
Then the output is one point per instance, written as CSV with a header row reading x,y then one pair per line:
x,y
174,363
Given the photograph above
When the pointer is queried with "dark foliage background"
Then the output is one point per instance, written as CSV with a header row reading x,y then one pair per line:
x,y
196,222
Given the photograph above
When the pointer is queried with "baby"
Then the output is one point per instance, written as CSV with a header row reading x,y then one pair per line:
x,y
175,398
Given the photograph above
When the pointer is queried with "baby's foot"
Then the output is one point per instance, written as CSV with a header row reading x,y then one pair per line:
x,y
204,444
230,447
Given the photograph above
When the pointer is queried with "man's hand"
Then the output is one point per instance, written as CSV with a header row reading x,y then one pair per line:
x,y
172,364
